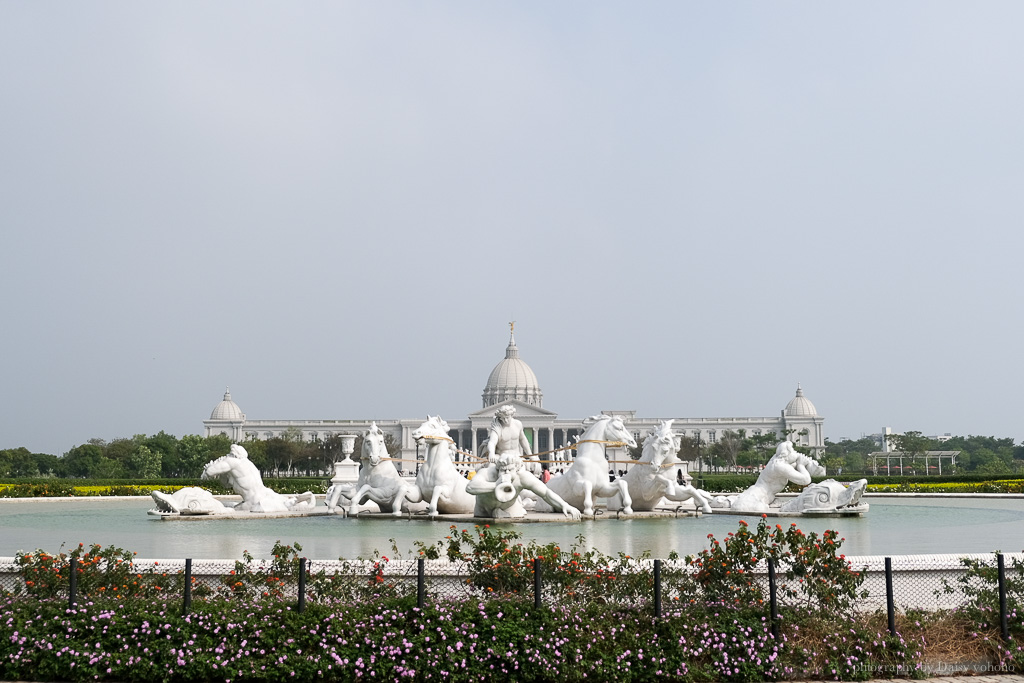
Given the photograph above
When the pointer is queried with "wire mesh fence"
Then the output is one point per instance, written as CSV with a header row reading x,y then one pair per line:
x,y
900,583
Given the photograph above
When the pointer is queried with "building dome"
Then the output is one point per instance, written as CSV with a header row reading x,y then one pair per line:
x,y
227,409
799,406
512,378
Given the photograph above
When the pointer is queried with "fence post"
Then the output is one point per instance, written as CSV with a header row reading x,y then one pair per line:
x,y
1003,626
73,583
657,589
890,603
773,599
421,583
187,601
537,585
302,585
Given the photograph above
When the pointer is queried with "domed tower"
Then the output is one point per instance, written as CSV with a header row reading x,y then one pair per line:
x,y
799,405
807,427
512,378
227,419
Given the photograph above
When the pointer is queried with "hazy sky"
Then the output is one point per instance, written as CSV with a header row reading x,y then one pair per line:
x,y
335,208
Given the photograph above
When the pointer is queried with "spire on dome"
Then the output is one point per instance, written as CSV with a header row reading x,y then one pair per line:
x,y
800,405
512,378
512,351
227,409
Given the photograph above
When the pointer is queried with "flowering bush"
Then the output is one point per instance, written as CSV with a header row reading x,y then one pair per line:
x,y
497,562
99,571
812,573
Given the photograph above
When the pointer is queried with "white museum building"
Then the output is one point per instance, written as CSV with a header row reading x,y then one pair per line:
x,y
513,382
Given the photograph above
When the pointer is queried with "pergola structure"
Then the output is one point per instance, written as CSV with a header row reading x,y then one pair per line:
x,y
902,462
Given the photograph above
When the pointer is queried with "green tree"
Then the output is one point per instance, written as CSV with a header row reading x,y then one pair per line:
x,y
48,465
18,462
83,461
728,447
281,454
193,454
144,463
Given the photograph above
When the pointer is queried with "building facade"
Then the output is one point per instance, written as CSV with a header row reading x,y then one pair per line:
x,y
513,382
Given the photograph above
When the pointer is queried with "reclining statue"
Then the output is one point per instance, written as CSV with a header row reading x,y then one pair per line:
x,y
236,470
790,466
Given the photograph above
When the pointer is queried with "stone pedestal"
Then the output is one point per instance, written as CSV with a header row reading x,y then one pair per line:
x,y
346,470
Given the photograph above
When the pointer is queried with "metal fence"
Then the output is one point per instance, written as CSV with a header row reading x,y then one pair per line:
x,y
899,583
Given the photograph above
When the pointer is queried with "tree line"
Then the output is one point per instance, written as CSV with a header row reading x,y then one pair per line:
x,y
164,456
978,454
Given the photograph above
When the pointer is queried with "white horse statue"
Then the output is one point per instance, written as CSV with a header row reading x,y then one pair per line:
x,y
439,482
647,481
587,476
235,470
379,479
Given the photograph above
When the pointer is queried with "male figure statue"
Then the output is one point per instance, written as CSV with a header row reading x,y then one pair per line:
x,y
506,436
237,471
497,487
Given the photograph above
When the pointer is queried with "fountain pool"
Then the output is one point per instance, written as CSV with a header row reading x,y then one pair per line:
x,y
894,526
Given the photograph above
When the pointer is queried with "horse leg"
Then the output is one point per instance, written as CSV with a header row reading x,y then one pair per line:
x,y
700,500
332,498
403,493
353,508
434,497
588,498
627,502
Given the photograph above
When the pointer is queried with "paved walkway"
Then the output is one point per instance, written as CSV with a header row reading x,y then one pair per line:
x,y
979,678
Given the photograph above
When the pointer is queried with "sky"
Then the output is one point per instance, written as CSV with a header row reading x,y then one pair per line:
x,y
336,208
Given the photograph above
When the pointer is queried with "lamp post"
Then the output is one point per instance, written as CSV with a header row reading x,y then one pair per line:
x,y
700,462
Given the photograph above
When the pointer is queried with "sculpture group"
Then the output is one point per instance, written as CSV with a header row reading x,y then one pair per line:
x,y
790,466
507,483
237,472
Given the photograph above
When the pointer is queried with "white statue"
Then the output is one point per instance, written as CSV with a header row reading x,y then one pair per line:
x,y
191,500
827,496
379,479
587,476
787,465
647,480
498,485
235,470
438,481
506,435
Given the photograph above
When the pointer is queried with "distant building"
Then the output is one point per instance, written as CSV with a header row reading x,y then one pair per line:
x,y
513,382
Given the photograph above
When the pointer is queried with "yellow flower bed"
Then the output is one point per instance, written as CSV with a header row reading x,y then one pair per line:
x,y
997,486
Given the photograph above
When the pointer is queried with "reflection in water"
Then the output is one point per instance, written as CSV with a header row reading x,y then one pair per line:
x,y
892,527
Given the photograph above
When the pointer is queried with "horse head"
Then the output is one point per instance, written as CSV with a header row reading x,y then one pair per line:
x,y
432,430
374,449
661,444
607,428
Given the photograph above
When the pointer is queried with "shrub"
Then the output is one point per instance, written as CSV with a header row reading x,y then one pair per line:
x,y
812,572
